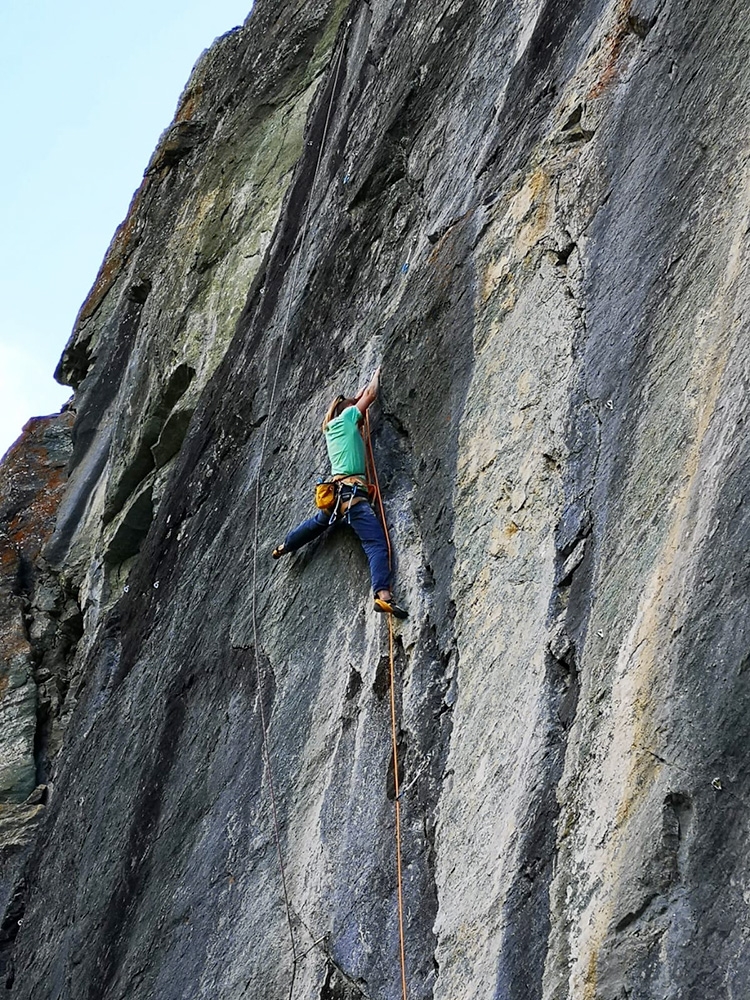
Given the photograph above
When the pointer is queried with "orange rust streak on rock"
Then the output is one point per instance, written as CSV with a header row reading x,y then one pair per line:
x,y
119,251
589,986
189,103
8,558
32,482
613,45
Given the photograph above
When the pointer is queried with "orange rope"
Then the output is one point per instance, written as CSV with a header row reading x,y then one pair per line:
x,y
373,477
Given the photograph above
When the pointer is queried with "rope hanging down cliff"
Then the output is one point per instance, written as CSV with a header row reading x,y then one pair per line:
x,y
264,439
373,478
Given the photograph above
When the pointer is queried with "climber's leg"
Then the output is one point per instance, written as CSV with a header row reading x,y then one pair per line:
x,y
306,532
370,533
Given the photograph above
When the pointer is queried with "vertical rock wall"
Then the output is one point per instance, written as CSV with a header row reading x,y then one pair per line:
x,y
536,216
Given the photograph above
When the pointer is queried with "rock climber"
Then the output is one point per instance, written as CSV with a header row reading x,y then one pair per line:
x,y
350,501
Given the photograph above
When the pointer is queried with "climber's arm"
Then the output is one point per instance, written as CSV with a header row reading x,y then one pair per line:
x,y
366,397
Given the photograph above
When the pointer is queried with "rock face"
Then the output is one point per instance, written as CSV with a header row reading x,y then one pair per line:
x,y
40,624
536,215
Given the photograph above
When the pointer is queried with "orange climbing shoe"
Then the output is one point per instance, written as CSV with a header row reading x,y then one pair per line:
x,y
390,608
278,551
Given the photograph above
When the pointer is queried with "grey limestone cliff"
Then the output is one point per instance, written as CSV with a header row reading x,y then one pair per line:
x,y
536,216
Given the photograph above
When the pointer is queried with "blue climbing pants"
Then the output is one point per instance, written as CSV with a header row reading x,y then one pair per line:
x,y
369,531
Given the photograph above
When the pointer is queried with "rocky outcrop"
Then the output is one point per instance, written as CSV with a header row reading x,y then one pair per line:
x,y
39,629
536,217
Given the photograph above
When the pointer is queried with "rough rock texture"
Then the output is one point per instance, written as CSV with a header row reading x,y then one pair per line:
x,y
39,627
536,215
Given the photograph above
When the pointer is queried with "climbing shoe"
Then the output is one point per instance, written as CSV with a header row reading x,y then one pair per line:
x,y
278,551
390,608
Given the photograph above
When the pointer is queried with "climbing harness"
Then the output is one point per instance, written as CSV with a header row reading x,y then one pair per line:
x,y
337,496
372,476
347,497
264,725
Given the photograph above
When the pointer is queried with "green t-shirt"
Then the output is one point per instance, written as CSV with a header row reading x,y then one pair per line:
x,y
346,449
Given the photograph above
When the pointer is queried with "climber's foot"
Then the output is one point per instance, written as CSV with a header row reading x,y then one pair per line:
x,y
389,607
278,551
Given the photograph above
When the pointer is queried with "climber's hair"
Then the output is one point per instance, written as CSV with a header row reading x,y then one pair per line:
x,y
336,408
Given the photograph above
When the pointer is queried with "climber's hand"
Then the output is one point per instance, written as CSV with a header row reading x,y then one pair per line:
x,y
368,395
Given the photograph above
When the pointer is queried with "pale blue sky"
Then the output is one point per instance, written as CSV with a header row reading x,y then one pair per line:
x,y
87,88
